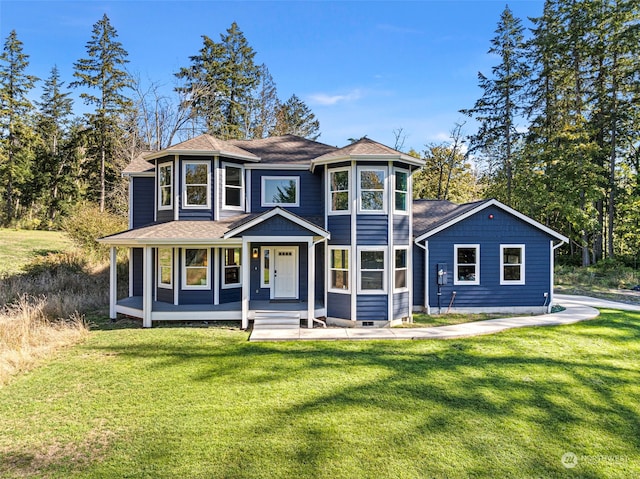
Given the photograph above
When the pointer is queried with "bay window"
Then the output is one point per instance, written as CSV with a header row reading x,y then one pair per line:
x,y
339,269
372,273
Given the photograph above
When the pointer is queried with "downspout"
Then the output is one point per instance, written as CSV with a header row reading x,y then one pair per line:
x,y
551,272
426,275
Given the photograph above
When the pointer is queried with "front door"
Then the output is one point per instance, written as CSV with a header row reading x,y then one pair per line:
x,y
285,273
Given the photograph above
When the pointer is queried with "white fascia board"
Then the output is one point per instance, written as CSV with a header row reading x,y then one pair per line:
x,y
503,207
143,174
201,242
381,158
276,166
211,153
281,212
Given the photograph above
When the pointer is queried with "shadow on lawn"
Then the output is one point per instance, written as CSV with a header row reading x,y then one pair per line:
x,y
545,390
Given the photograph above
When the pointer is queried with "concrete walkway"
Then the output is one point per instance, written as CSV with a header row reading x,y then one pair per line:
x,y
578,308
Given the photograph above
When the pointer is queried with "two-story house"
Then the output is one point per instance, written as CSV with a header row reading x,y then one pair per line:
x,y
233,230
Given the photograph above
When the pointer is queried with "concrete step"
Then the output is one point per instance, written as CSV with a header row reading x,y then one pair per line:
x,y
276,320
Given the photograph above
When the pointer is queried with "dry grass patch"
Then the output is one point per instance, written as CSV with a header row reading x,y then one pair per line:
x,y
28,332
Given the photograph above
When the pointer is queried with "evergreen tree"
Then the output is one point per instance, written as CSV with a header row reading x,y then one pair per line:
x,y
16,134
295,118
103,72
221,81
53,121
502,102
265,103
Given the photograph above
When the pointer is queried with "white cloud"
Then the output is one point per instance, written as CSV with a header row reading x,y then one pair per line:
x,y
328,100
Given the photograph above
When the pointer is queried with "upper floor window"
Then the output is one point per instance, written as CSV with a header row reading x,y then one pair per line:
x,y
401,191
280,190
233,187
466,264
372,190
195,268
339,269
196,184
165,186
512,264
339,201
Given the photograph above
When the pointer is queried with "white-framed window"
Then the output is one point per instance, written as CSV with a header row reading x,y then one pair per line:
x,y
232,270
466,264
511,264
401,196
195,268
372,274
339,269
165,186
280,191
196,184
339,192
165,268
265,268
372,194
233,188
400,269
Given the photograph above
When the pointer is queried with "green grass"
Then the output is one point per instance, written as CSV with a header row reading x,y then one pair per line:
x,y
19,247
175,402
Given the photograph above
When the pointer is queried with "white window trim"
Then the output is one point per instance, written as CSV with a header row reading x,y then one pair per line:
x,y
505,282
225,206
263,250
385,192
168,285
360,249
185,205
170,205
349,191
287,178
456,281
408,192
330,269
186,286
224,267
406,268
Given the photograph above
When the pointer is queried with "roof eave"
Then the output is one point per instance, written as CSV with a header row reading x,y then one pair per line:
x,y
160,154
381,158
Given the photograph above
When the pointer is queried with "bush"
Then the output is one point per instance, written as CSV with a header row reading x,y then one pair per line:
x,y
87,224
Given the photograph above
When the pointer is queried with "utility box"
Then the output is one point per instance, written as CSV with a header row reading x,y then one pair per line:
x,y
441,272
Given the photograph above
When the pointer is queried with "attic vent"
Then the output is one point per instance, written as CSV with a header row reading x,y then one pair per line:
x,y
367,323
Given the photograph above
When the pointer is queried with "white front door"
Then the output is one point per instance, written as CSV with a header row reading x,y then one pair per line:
x,y
285,273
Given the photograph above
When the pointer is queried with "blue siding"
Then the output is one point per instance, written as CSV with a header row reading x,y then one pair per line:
x,y
401,229
138,268
418,276
339,305
230,295
311,197
401,305
340,229
277,226
372,307
143,201
165,294
490,234
372,229
320,278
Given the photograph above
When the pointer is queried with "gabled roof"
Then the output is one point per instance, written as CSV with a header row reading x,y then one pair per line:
x,y
205,145
255,220
287,149
432,216
365,149
139,166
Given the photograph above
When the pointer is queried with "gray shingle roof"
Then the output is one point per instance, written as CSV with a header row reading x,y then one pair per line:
x,y
206,144
365,147
430,214
287,149
139,165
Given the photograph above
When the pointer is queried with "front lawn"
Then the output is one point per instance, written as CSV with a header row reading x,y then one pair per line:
x,y
178,402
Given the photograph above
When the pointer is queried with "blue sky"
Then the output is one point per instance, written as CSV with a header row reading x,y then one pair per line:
x,y
364,68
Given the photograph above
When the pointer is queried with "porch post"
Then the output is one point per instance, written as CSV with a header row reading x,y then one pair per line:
x,y
147,291
113,282
311,268
246,278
